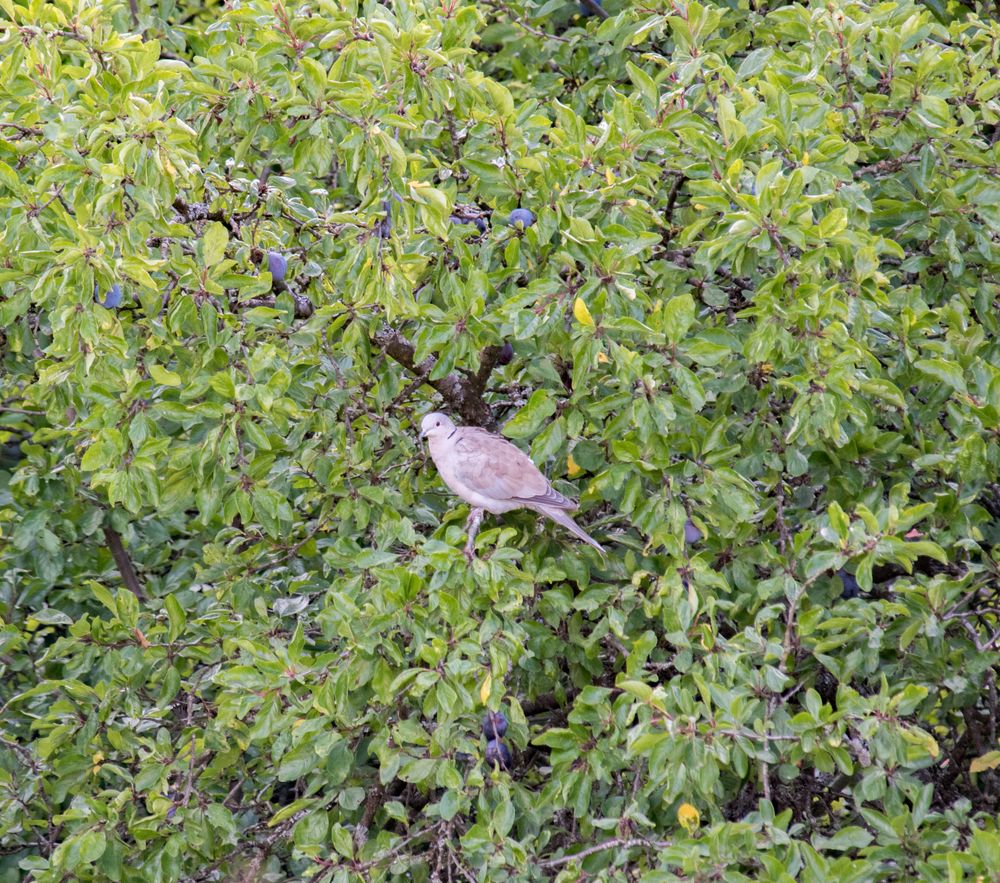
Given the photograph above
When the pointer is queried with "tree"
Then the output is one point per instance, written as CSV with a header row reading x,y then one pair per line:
x,y
757,293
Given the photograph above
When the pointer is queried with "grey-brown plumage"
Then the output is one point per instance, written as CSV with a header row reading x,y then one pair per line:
x,y
493,475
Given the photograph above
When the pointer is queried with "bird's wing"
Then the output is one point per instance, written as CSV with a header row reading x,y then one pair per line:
x,y
495,468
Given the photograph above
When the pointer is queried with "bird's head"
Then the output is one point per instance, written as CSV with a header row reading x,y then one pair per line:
x,y
436,424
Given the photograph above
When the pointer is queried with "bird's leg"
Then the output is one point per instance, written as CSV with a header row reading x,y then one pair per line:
x,y
472,528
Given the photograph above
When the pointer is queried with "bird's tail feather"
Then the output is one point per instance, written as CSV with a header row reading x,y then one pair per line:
x,y
560,517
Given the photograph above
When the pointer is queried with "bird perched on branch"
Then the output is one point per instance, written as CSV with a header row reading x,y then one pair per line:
x,y
493,475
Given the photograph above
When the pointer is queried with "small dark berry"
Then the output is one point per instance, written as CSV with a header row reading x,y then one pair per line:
x,y
498,754
112,299
479,222
524,217
494,724
850,584
691,533
506,354
277,263
383,228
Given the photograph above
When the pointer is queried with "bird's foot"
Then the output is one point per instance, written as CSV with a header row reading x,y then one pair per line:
x,y
472,528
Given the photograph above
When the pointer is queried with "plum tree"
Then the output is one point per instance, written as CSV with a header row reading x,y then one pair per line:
x,y
756,338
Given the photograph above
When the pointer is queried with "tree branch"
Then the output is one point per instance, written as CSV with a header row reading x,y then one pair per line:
x,y
464,395
489,358
616,843
303,306
125,568
374,800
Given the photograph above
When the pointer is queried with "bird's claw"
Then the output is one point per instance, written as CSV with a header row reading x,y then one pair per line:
x,y
472,528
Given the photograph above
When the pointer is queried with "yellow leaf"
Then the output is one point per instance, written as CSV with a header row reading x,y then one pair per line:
x,y
484,690
602,359
582,314
572,467
162,375
988,761
689,817
805,158
609,176
924,740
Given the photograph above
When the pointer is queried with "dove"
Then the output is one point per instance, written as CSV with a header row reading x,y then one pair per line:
x,y
493,475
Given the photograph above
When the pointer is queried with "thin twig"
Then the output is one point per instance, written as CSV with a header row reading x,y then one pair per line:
x,y
616,843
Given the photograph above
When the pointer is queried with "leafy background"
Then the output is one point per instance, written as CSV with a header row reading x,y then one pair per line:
x,y
239,640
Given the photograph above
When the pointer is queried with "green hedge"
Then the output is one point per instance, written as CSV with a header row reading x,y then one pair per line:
x,y
238,638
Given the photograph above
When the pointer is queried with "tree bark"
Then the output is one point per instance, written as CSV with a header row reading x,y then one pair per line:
x,y
125,568
463,395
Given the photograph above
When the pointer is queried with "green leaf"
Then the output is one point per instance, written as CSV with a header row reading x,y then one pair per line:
x,y
940,369
162,375
529,420
214,243
678,316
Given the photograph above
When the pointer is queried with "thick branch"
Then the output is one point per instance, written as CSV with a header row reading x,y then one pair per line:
x,y
887,166
464,395
376,797
198,211
124,563
675,189
489,358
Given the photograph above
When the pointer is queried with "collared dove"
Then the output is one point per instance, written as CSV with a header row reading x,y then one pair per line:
x,y
491,474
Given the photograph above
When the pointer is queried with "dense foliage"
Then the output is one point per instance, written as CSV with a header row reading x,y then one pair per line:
x,y
753,284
